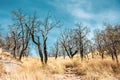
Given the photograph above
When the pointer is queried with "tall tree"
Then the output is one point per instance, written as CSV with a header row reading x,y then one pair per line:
x,y
35,34
40,29
48,24
21,21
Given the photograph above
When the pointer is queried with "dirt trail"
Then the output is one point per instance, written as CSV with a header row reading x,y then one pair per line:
x,y
70,74
10,66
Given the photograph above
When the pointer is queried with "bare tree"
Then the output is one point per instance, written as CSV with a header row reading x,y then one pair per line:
x,y
1,41
112,35
40,29
15,37
48,24
101,42
68,42
34,30
108,41
81,34
56,49
21,21
1,38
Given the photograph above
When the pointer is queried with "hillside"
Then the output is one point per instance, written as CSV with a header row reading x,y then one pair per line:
x,y
60,69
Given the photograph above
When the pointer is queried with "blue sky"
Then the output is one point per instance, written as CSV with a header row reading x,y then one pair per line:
x,y
91,13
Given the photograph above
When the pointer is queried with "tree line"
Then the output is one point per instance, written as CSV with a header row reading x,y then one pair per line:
x,y
106,42
29,28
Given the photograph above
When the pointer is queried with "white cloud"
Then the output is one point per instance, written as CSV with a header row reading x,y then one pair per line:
x,y
80,13
83,10
89,14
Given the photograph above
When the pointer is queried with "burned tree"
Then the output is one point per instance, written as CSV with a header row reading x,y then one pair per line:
x,y
39,31
56,49
47,25
68,42
101,43
15,37
108,41
22,22
34,31
81,34
112,34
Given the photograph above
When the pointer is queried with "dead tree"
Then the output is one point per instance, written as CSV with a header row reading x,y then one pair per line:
x,y
40,30
101,42
112,35
81,33
36,39
68,43
56,49
108,40
21,21
47,27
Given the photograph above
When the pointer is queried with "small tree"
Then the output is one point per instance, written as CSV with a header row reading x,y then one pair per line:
x,y
68,42
101,42
81,34
56,49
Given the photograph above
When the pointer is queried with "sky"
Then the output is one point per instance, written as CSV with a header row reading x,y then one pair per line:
x,y
92,13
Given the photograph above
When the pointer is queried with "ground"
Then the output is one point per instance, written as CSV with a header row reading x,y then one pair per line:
x,y
58,69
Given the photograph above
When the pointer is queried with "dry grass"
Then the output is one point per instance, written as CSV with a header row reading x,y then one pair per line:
x,y
93,69
1,69
32,69
97,69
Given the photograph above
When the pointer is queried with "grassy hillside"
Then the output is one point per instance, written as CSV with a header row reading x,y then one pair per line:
x,y
92,69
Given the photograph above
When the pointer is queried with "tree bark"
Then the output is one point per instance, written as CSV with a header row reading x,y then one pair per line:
x,y
45,50
40,54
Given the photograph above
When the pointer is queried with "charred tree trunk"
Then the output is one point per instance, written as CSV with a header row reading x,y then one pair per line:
x,y
101,52
40,54
57,50
74,53
38,46
115,53
102,55
66,50
81,54
56,54
45,50
112,56
63,51
81,51
21,54
70,51
14,52
116,57
14,49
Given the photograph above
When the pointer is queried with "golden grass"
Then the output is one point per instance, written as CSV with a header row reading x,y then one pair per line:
x,y
97,69
1,68
93,69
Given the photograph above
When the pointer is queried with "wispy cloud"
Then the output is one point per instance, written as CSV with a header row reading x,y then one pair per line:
x,y
79,13
91,13
90,10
